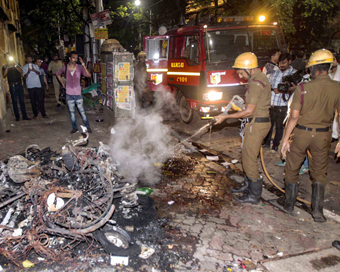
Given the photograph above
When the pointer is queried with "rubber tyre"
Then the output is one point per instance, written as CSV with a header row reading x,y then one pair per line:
x,y
119,244
185,112
116,239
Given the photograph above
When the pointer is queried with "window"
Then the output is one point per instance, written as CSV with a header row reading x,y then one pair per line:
x,y
226,45
223,46
186,51
157,48
263,39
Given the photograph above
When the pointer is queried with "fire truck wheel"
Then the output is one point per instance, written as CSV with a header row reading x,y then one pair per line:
x,y
185,111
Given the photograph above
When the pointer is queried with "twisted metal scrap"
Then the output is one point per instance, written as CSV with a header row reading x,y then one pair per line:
x,y
40,181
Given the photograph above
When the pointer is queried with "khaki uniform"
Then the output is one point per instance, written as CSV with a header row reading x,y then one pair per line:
x,y
143,93
259,94
317,103
54,67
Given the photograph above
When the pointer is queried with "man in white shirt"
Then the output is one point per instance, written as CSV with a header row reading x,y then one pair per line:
x,y
278,109
54,66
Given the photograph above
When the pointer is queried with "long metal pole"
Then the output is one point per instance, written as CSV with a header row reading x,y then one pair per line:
x,y
150,24
99,8
86,34
140,34
96,44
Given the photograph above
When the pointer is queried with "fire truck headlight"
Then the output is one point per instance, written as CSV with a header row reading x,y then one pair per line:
x,y
213,96
156,56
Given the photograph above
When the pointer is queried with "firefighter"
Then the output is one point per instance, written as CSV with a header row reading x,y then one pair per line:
x,y
142,90
256,111
309,129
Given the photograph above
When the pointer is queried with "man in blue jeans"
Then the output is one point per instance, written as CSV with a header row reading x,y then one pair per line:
x,y
278,109
13,74
73,73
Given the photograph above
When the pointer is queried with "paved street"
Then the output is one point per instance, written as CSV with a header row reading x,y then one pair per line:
x,y
204,228
225,140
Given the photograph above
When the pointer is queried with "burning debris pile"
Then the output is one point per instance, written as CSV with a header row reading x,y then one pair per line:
x,y
45,194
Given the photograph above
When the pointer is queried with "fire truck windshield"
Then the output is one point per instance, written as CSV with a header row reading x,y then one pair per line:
x,y
224,45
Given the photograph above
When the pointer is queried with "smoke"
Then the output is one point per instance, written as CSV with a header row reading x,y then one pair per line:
x,y
165,104
140,143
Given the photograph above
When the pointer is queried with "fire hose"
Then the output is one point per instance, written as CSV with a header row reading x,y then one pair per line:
x,y
212,121
271,180
237,104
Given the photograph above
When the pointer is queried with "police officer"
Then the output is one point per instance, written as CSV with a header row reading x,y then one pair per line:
x,y
142,90
257,105
308,129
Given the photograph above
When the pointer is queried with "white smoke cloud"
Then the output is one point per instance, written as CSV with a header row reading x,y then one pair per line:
x,y
139,143
166,104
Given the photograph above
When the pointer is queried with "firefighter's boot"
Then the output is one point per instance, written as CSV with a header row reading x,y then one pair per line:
x,y
318,194
243,188
254,192
291,192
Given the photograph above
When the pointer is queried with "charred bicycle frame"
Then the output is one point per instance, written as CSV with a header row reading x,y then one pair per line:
x,y
83,180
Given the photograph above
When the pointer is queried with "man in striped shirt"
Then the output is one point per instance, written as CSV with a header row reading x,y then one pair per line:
x,y
278,109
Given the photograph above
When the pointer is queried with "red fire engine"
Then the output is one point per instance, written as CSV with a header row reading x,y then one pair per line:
x,y
195,62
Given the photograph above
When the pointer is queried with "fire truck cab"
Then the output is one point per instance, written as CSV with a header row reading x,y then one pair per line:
x,y
195,62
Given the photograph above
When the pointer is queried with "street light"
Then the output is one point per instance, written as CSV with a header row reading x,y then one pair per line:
x,y
138,3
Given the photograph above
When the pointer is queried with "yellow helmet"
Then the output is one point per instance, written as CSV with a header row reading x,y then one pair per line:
x,y
141,53
320,56
246,60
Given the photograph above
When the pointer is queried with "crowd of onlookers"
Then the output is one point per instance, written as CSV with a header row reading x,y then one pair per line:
x,y
37,74
278,67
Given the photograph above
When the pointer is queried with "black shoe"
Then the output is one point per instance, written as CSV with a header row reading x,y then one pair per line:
x,y
46,117
266,146
58,105
334,140
275,148
89,130
253,196
243,188
74,130
318,195
291,192
26,118
336,244
17,119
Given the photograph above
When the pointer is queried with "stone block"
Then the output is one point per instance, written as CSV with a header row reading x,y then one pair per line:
x,y
256,255
196,228
189,220
216,243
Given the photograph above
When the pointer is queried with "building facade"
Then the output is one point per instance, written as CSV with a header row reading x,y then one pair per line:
x,y
10,42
